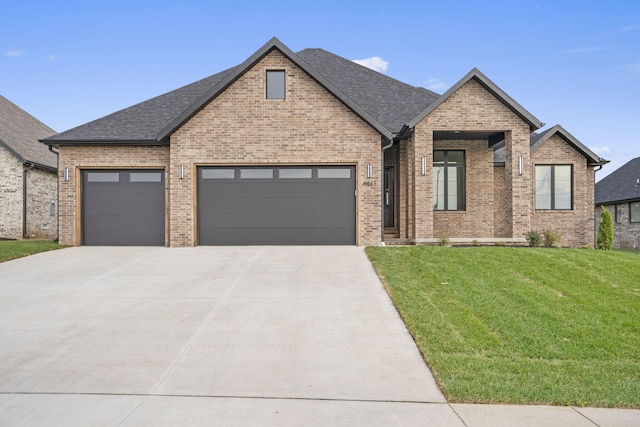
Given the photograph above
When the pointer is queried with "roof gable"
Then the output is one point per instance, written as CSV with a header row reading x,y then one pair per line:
x,y
20,132
484,81
621,185
538,139
238,71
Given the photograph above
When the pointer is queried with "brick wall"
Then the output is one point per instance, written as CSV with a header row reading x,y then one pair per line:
x,y
242,127
77,158
477,221
10,195
576,226
473,108
42,220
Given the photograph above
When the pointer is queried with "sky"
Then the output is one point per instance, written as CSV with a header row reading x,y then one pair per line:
x,y
573,63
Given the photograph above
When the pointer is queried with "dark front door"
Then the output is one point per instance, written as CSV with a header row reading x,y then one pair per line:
x,y
389,197
277,205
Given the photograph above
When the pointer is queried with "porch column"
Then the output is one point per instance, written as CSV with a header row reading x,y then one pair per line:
x,y
518,177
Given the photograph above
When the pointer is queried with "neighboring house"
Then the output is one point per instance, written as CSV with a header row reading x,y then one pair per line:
x,y
311,148
619,192
28,176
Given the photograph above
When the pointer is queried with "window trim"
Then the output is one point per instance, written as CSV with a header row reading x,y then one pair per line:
x,y
284,84
553,187
462,207
631,217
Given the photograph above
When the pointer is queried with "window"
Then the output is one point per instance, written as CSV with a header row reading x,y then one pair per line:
x,y
103,177
305,173
553,187
145,177
255,173
634,212
218,173
275,84
448,180
618,216
334,173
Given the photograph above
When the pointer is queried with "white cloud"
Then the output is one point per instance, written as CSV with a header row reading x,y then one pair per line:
x,y
435,84
13,53
52,57
375,63
600,150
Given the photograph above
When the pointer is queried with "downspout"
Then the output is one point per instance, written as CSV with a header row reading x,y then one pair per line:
x,y
384,148
27,167
57,192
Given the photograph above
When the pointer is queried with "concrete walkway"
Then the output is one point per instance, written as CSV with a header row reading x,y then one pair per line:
x,y
222,336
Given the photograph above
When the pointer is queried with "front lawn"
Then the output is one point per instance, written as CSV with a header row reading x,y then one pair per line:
x,y
11,249
522,325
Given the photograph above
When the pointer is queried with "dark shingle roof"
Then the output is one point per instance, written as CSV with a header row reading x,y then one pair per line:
x,y
143,121
383,99
621,185
391,101
20,132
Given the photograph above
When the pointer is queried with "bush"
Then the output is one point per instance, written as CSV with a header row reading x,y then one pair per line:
x,y
534,238
550,238
605,230
443,241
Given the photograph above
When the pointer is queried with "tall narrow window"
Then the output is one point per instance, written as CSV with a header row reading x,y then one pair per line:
x,y
634,212
553,187
618,211
448,180
275,84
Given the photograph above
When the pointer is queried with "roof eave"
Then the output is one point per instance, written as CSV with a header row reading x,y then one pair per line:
x,y
96,142
592,158
525,115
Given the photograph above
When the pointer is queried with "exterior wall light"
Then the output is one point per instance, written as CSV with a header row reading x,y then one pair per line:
x,y
424,165
369,171
66,174
181,171
520,165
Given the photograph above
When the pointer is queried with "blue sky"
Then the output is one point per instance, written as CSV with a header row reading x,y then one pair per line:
x,y
574,63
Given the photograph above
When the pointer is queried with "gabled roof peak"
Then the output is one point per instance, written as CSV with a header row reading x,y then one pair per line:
x,y
476,74
592,157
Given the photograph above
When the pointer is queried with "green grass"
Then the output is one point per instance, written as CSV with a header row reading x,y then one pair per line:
x,y
522,325
12,249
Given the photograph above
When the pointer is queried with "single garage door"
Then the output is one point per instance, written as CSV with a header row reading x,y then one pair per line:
x,y
304,205
123,207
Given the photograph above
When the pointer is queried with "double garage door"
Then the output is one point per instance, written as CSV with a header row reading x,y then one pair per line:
x,y
235,206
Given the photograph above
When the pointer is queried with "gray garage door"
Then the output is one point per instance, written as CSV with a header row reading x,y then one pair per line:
x,y
123,207
304,205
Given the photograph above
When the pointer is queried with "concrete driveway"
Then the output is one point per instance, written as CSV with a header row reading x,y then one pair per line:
x,y
207,335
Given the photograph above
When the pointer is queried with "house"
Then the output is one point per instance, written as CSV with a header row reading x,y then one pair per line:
x,y
28,176
620,193
311,148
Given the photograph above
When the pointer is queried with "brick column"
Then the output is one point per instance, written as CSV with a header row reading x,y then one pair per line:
x,y
518,186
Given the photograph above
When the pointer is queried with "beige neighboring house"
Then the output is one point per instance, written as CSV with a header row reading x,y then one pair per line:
x,y
28,176
311,148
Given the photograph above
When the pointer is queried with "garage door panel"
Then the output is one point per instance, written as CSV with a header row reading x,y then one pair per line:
x,y
276,210
123,207
301,236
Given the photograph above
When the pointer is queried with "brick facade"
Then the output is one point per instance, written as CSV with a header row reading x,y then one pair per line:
x,y
575,226
77,158
41,191
472,108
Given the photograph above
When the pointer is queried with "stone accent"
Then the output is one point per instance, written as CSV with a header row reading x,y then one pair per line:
x,y
10,195
77,158
242,127
626,234
41,190
575,226
42,204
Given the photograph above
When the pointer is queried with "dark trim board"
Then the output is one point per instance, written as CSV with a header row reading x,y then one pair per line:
x,y
273,205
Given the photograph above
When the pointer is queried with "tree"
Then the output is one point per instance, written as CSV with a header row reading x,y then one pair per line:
x,y
605,230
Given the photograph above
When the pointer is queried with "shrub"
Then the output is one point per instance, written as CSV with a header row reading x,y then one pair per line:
x,y
501,244
475,243
534,238
605,230
550,238
444,241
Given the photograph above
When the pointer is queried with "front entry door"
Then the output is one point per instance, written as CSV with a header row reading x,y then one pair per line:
x,y
389,173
